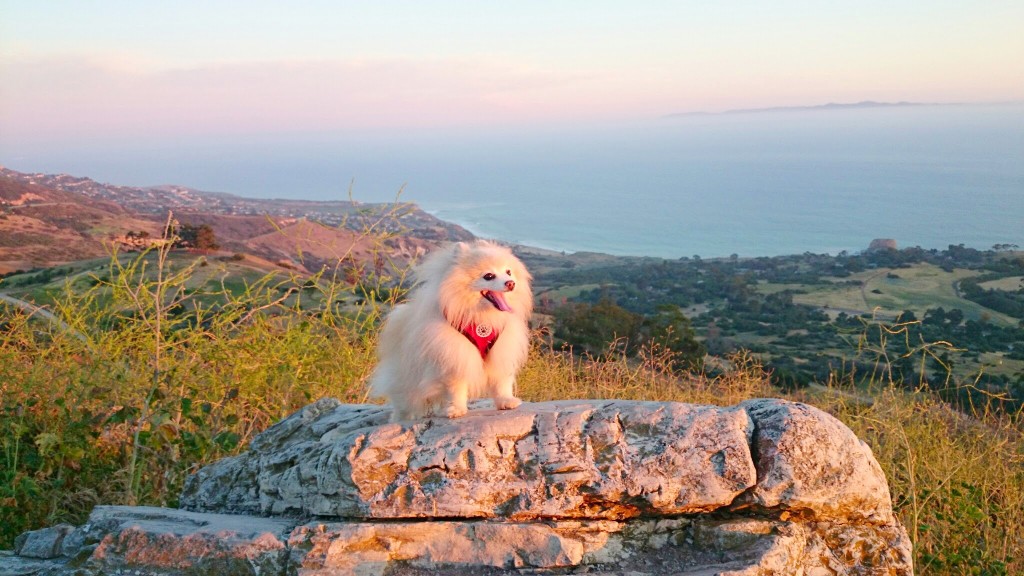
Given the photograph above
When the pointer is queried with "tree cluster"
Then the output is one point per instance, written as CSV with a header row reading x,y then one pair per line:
x,y
199,237
598,328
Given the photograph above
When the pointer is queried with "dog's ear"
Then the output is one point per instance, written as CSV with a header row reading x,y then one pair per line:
x,y
460,248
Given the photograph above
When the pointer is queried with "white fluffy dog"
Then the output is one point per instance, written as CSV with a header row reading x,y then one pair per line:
x,y
463,334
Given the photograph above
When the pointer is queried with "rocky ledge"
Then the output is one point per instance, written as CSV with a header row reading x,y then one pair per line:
x,y
765,487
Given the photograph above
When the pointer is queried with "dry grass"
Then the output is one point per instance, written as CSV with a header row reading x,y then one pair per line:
x,y
150,383
558,374
956,478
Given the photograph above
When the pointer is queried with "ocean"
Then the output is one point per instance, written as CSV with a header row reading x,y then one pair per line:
x,y
752,184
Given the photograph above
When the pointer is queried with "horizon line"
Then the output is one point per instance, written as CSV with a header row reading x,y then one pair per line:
x,y
829,106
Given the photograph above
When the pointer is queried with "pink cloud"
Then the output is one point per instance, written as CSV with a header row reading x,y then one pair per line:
x,y
53,96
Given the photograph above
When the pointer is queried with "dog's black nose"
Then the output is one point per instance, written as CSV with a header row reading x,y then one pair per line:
x,y
510,285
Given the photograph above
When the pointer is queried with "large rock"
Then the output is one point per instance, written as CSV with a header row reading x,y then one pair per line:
x,y
44,544
607,460
127,539
810,463
881,245
766,487
122,540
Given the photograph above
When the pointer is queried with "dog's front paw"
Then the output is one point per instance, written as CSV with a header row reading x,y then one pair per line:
x,y
507,402
454,411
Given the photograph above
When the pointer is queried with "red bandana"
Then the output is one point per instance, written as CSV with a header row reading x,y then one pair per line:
x,y
482,335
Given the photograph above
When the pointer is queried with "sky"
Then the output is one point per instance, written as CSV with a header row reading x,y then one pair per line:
x,y
72,70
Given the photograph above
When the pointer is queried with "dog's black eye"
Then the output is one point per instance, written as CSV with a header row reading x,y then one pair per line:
x,y
508,272
490,276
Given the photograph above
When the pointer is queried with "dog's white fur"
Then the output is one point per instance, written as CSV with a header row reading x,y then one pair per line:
x,y
427,365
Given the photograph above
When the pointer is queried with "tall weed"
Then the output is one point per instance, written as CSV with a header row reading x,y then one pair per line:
x,y
953,454
147,375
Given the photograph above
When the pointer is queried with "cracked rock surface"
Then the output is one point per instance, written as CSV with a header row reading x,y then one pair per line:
x,y
608,460
764,487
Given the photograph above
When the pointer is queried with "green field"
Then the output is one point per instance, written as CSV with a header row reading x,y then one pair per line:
x,y
563,292
886,292
1010,284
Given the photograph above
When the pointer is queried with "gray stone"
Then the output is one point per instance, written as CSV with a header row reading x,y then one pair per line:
x,y
73,543
159,541
579,459
45,543
811,464
14,565
165,539
597,487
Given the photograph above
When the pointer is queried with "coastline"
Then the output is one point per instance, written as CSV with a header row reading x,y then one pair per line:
x,y
858,246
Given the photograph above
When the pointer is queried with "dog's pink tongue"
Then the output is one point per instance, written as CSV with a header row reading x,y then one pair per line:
x,y
498,299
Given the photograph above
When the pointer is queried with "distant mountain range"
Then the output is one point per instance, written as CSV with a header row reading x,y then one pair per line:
x,y
829,106
49,219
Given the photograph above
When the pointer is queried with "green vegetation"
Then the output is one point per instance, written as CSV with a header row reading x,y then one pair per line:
x,y
158,364
606,326
801,315
198,237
